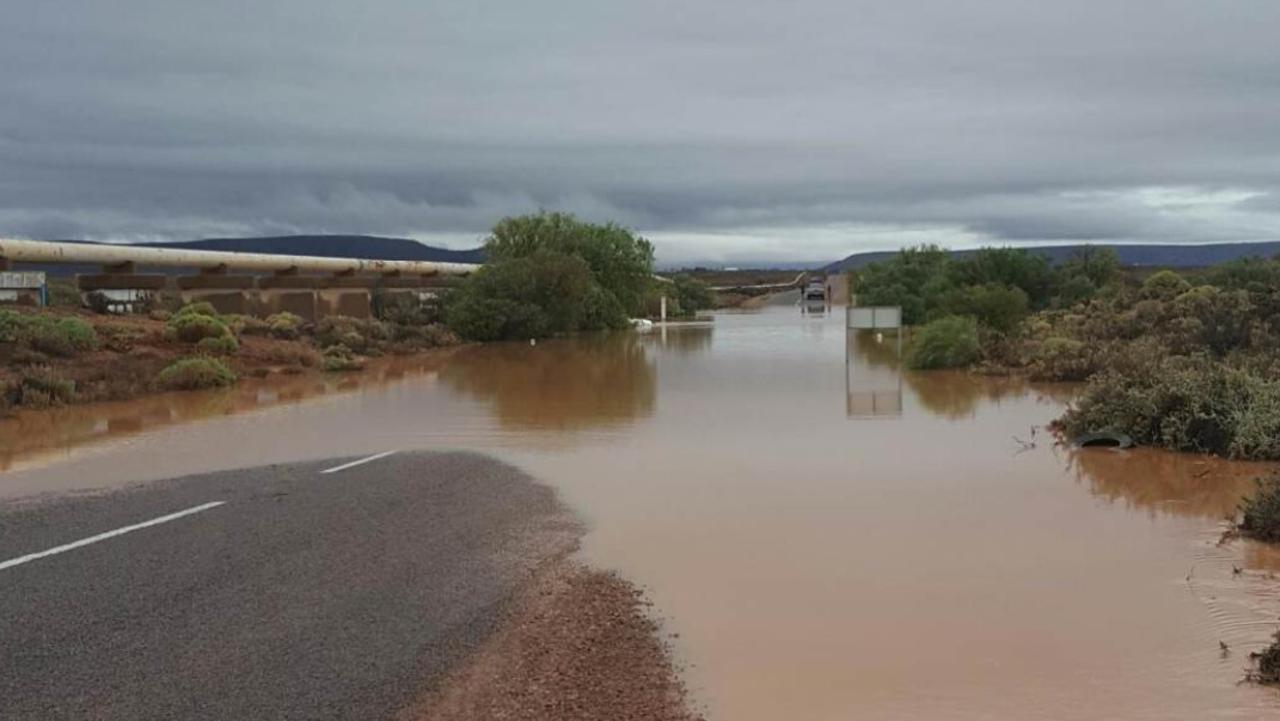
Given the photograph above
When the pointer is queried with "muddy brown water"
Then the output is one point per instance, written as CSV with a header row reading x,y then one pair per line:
x,y
829,538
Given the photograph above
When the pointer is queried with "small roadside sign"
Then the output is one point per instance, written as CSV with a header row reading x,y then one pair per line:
x,y
14,286
10,280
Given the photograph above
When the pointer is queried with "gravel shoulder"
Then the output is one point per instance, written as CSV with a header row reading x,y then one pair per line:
x,y
577,644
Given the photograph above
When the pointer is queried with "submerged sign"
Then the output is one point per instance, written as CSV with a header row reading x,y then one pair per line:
x,y
875,317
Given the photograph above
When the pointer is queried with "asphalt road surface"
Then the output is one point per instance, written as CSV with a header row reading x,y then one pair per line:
x,y
303,595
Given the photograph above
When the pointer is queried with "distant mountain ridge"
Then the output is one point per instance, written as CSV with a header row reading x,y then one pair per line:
x,y
1166,255
331,246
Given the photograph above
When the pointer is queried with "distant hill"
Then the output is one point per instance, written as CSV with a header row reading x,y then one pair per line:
x,y
332,246
1166,256
329,246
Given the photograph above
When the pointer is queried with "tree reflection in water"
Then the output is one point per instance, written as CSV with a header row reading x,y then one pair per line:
x,y
953,395
567,384
680,339
1166,482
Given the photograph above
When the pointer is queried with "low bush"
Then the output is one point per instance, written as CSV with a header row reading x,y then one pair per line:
x,y
219,345
1164,285
195,374
285,325
64,337
40,388
194,327
64,294
120,337
292,354
246,324
340,358
12,327
435,335
1061,359
1260,513
358,335
405,308
949,342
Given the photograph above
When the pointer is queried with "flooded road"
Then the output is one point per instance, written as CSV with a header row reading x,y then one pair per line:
x,y
829,538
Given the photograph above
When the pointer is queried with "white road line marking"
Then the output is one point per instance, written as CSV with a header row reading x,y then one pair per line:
x,y
109,534
362,461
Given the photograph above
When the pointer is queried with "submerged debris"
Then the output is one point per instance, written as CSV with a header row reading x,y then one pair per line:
x,y
1107,439
1266,664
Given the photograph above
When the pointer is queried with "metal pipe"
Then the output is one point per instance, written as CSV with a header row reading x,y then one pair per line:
x,y
39,251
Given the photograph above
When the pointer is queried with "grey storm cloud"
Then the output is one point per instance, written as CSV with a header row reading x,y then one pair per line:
x,y
770,130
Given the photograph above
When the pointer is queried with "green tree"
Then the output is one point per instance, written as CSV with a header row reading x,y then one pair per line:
x,y
1100,266
917,279
691,294
1012,267
996,306
549,274
620,261
546,293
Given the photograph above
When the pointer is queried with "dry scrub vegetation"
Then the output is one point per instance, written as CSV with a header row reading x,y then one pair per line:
x,y
63,355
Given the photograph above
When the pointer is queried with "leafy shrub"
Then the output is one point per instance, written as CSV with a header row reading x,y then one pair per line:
x,y
949,342
246,324
13,326
193,327
219,345
1186,404
1062,359
340,358
285,325
358,335
1164,285
1260,513
291,354
64,294
40,388
160,314
64,337
405,308
434,335
1220,320
120,337
195,373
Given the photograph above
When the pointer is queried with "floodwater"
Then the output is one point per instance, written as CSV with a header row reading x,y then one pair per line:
x,y
827,537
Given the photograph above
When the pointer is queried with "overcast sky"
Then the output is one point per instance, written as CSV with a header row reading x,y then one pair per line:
x,y
732,130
